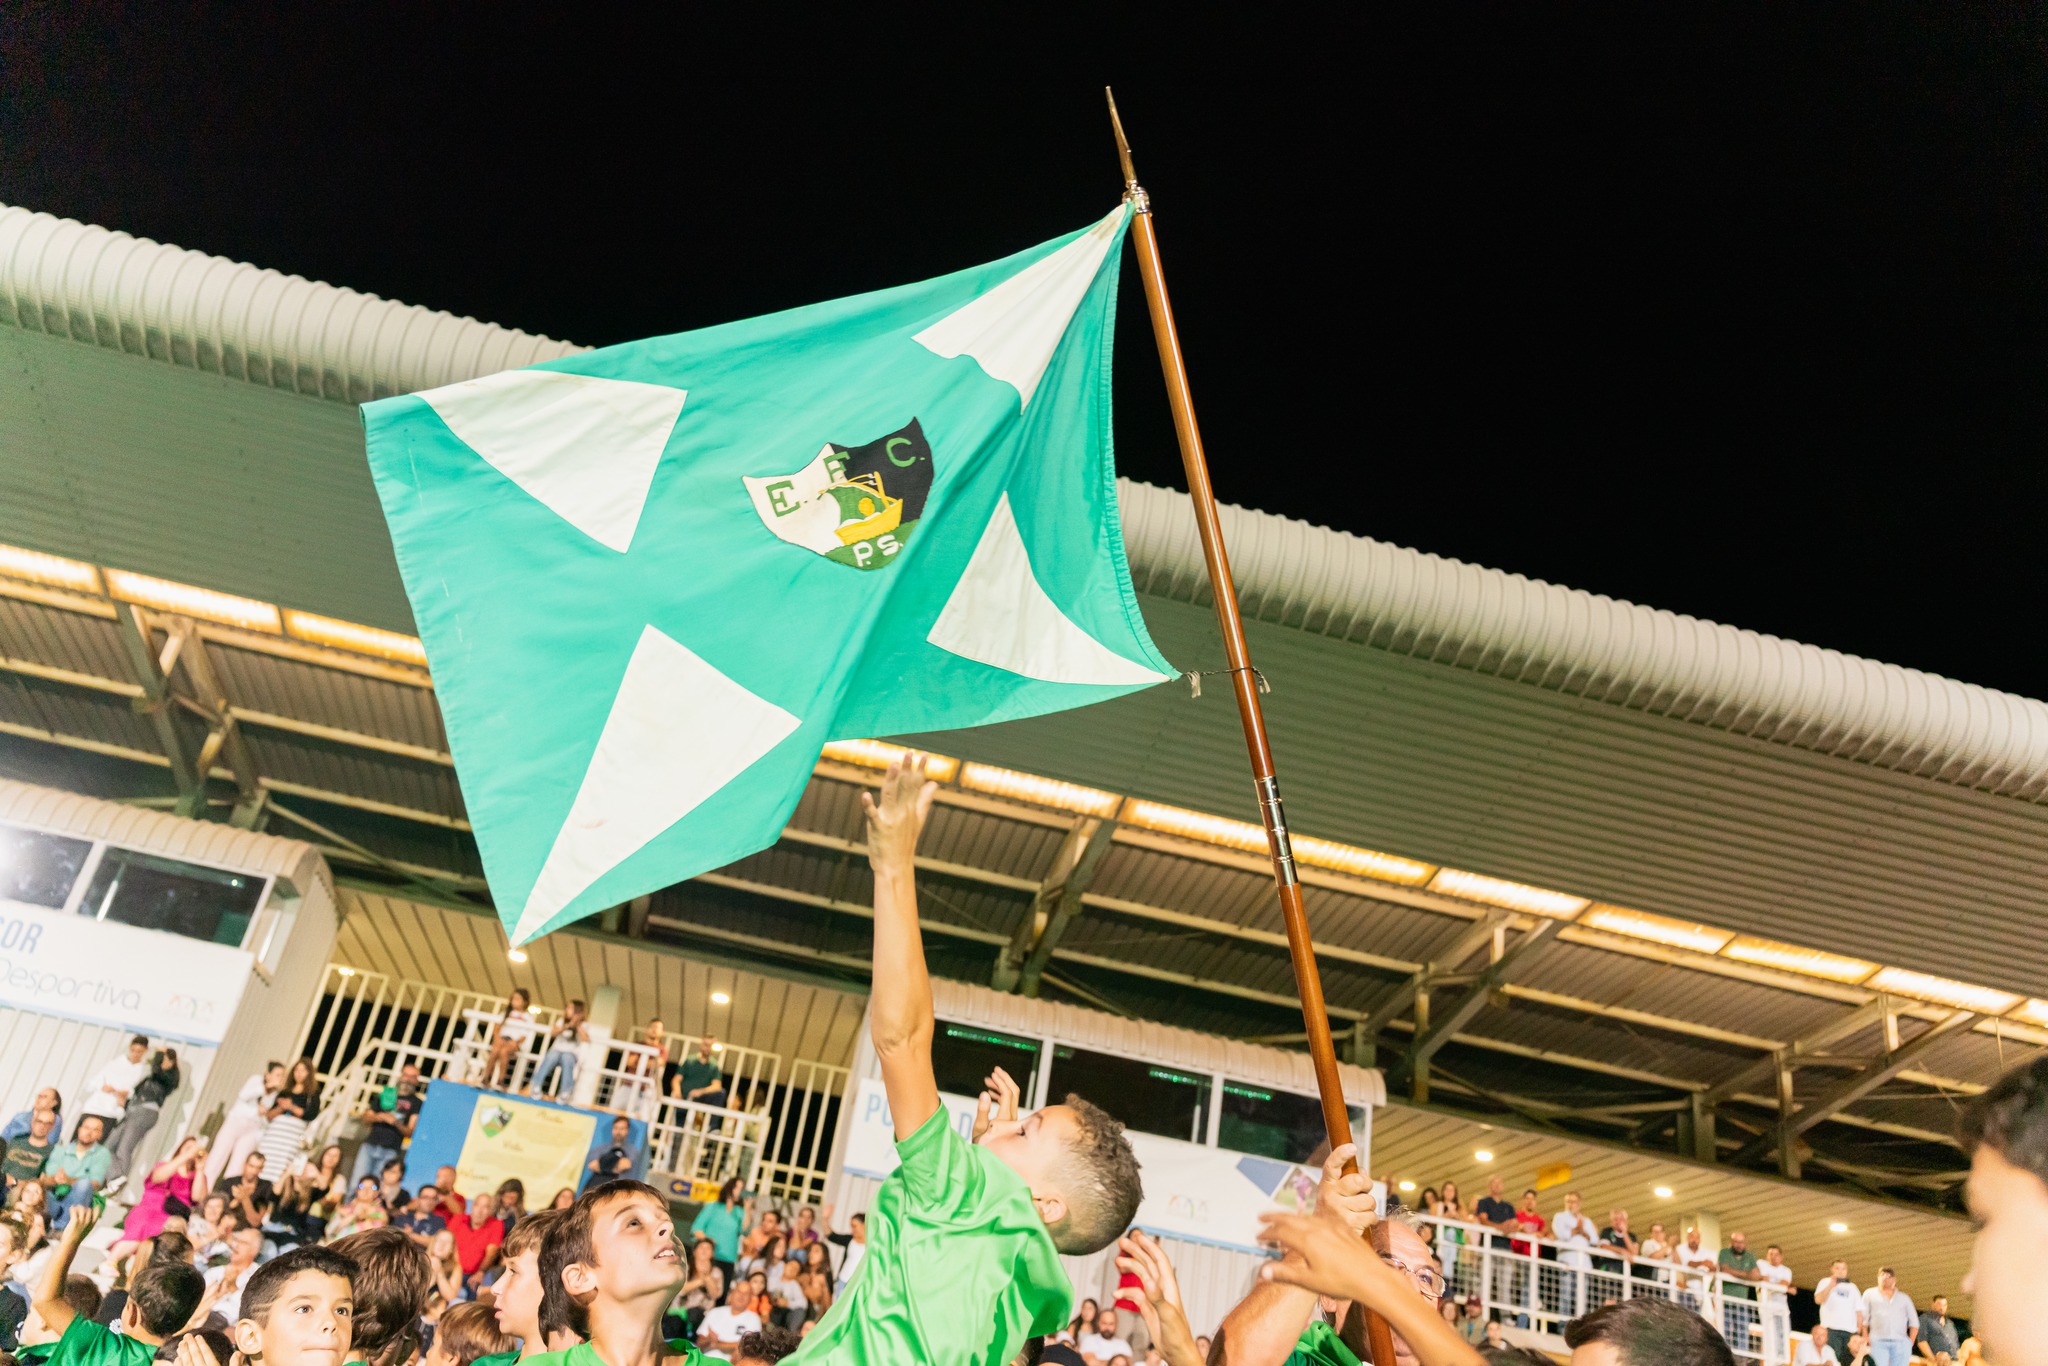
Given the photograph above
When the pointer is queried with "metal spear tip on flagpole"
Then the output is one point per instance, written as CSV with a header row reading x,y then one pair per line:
x,y
1133,191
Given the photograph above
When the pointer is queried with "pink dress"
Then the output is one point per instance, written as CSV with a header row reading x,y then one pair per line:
x,y
148,1217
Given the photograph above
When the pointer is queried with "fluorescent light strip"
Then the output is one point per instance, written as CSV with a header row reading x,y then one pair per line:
x,y
1515,896
347,635
875,754
1963,996
1768,953
53,570
1029,787
1339,858
1658,929
188,601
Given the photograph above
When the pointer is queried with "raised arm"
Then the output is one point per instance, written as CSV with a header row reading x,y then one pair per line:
x,y
56,1311
900,1007
1266,1324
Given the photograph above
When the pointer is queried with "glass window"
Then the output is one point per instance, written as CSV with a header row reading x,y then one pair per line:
x,y
1276,1124
179,898
38,869
1146,1097
963,1055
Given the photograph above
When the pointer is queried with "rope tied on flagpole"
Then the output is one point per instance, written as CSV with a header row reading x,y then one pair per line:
x,y
1194,678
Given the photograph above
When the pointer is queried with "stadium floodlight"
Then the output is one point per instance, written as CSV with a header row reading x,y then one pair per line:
x,y
1768,953
185,600
1926,986
1658,929
1029,787
362,640
875,754
1514,896
52,570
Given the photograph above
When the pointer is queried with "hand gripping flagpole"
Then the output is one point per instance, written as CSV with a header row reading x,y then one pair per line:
x,y
1308,982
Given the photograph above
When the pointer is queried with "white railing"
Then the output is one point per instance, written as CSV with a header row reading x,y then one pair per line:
x,y
684,1138
1550,1283
384,1021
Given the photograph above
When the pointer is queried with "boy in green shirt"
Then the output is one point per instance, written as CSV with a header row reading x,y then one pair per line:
x,y
613,1260
161,1298
524,1310
964,1241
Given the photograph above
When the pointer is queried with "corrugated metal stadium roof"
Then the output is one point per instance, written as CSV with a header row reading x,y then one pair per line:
x,y
1430,709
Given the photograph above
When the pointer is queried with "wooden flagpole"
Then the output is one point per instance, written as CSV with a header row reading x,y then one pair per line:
x,y
1308,982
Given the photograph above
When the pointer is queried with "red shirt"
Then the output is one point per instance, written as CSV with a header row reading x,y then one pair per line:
x,y
1528,1222
472,1244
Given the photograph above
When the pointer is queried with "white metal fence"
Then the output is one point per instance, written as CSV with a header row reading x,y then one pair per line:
x,y
1543,1284
774,1129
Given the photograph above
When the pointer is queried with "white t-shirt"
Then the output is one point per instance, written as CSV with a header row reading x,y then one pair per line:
x,y
1096,1345
1838,1310
515,1024
1699,1264
1890,1319
249,1100
1804,1353
1576,1232
228,1306
849,1258
120,1074
729,1325
1777,1280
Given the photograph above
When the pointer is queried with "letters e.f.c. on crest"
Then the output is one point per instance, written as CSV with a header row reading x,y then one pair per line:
x,y
856,505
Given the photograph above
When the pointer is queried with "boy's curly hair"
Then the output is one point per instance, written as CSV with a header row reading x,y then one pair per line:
x,y
1101,1181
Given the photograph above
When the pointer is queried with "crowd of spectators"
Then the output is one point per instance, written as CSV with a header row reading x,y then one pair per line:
x,y
1879,1323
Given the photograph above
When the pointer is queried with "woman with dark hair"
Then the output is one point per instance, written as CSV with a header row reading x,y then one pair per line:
x,y
513,1029
289,1114
310,1195
145,1105
564,1198
171,1187
722,1222
705,1288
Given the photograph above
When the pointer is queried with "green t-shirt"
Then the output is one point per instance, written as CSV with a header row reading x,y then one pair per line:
x,y
86,1343
25,1158
1731,1260
583,1354
959,1269
1320,1346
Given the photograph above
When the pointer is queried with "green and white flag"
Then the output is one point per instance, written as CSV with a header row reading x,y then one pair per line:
x,y
653,580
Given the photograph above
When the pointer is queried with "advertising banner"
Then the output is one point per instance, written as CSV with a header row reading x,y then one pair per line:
x,y
490,1137
106,973
1202,1194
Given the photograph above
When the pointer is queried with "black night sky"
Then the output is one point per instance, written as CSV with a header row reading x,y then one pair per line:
x,y
1738,310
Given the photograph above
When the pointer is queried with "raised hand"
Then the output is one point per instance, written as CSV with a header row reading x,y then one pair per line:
x,y
193,1351
998,1103
895,821
1347,1199
1158,1297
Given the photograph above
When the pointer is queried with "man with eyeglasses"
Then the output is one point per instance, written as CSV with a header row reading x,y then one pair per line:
x,y
1276,1322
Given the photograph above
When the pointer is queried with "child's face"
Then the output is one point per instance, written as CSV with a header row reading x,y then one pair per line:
x,y
518,1296
311,1323
1035,1146
634,1242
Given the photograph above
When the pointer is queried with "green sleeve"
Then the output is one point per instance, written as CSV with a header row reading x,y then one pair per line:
x,y
1320,1346
84,1343
937,1168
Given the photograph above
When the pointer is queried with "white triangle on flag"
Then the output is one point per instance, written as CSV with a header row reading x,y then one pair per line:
x,y
1013,329
583,445
1000,616
678,731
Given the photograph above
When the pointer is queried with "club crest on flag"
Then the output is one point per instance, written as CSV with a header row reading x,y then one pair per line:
x,y
856,505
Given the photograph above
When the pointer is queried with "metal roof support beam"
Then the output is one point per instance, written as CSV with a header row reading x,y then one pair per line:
x,y
1364,1045
1089,844
156,703
224,739
1857,1085
1788,1146
1433,1035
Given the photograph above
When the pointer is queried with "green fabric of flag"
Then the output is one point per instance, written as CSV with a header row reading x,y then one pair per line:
x,y
654,579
